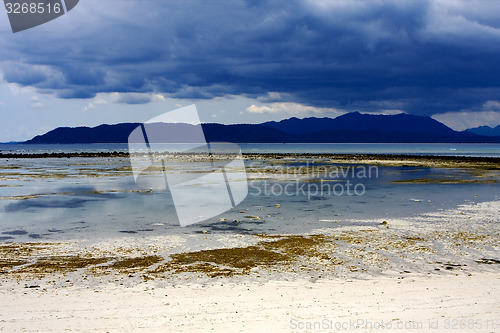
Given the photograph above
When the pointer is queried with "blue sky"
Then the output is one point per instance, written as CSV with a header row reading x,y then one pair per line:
x,y
251,61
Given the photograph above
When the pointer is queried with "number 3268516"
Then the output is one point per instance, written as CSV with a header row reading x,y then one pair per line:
x,y
32,8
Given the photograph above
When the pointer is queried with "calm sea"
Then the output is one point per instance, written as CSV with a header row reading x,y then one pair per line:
x,y
448,149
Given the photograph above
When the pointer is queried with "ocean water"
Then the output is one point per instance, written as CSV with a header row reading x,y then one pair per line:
x,y
435,149
441,149
95,198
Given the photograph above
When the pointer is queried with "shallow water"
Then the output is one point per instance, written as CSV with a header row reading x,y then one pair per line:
x,y
93,198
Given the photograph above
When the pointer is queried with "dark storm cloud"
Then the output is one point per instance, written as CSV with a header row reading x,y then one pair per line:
x,y
24,75
132,98
420,56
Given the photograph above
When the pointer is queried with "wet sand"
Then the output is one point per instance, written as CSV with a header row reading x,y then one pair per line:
x,y
404,273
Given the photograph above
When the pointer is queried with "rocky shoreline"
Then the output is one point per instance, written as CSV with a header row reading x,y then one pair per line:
x,y
490,163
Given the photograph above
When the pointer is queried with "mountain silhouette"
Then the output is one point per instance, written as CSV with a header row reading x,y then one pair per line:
x,y
485,130
350,127
356,121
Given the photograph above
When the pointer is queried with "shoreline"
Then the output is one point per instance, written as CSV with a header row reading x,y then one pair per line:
x,y
430,273
460,241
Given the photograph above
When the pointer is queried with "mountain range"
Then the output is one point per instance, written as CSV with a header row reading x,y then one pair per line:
x,y
485,130
350,127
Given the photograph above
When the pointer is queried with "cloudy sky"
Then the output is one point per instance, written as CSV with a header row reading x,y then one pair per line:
x,y
251,61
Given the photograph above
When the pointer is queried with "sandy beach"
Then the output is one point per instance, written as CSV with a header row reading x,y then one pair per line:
x,y
437,272
415,304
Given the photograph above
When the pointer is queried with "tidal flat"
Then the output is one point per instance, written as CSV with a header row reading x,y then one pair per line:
x,y
82,247
464,241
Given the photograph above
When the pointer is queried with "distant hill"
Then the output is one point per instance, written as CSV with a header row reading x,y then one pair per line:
x,y
170,133
355,121
351,127
101,134
485,130
357,127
